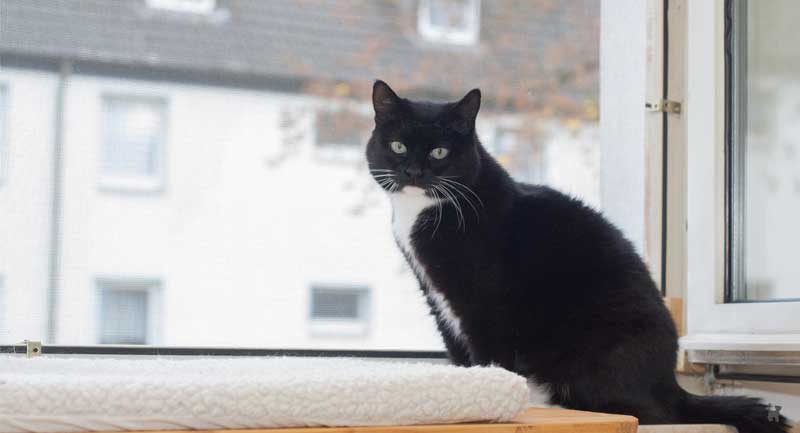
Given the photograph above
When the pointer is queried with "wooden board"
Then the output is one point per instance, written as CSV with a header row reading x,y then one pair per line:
x,y
534,420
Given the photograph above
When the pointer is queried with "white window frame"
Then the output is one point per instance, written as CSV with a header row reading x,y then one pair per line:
x,y
358,327
4,310
433,33
5,147
153,183
154,289
188,6
631,74
712,323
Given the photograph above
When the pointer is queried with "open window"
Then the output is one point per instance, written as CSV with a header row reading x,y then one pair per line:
x,y
739,118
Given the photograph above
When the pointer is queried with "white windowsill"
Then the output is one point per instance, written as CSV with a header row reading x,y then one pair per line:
x,y
742,342
131,184
338,328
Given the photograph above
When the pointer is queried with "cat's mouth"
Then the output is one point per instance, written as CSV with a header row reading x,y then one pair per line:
x,y
413,190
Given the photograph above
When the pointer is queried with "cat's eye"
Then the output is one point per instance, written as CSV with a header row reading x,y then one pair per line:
x,y
398,147
440,152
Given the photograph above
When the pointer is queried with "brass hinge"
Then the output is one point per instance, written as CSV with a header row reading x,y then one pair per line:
x,y
32,348
665,105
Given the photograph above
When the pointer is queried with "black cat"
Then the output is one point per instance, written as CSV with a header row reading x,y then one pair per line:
x,y
530,279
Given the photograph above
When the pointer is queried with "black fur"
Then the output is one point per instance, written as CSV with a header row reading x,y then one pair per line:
x,y
543,285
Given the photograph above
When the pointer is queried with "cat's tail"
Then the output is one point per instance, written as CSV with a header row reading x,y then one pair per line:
x,y
747,414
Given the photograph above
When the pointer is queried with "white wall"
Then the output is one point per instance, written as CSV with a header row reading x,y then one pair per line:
x,y
25,197
236,242
235,239
623,39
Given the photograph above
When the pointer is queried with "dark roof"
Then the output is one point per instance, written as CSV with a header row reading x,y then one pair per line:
x,y
530,47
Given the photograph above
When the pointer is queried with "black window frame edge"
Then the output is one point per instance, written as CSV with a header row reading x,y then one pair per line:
x,y
728,150
735,283
20,349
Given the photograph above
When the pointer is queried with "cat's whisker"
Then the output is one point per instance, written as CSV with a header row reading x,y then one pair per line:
x,y
469,202
384,183
461,185
456,188
438,211
452,199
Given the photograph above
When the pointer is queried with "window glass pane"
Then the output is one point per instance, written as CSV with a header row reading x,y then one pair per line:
x,y
450,14
337,304
123,315
257,123
133,137
766,151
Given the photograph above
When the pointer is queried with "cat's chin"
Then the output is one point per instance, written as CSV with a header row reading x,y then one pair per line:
x,y
412,190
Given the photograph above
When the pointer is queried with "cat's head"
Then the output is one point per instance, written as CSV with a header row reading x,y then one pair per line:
x,y
423,144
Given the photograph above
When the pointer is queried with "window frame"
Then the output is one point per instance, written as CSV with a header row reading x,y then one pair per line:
x,y
5,147
154,289
436,34
187,6
736,28
711,321
122,183
330,327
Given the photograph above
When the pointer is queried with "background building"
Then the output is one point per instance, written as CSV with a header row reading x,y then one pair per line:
x,y
190,172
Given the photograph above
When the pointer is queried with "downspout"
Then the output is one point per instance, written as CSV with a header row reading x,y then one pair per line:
x,y
54,270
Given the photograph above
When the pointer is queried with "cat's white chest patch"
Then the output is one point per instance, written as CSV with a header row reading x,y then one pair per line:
x,y
407,205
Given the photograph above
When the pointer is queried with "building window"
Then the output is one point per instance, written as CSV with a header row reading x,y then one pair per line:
x,y
134,132
190,6
449,21
341,134
763,152
339,311
4,153
127,311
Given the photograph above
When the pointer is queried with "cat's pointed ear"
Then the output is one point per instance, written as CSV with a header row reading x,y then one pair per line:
x,y
384,100
466,110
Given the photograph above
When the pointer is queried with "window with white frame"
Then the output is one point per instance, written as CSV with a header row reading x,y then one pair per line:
x,y
190,6
738,179
339,310
763,147
449,21
127,310
4,153
133,143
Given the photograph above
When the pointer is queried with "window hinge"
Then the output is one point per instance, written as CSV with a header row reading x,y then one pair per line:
x,y
32,348
664,105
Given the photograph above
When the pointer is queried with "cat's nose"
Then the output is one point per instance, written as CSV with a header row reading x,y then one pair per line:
x,y
413,172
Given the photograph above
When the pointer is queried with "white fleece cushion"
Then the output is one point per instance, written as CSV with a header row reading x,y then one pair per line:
x,y
83,394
